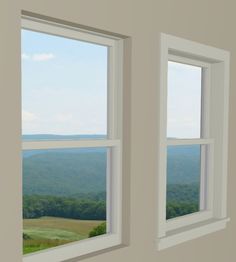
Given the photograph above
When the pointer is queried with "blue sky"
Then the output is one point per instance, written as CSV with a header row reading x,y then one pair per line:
x,y
64,89
184,101
64,85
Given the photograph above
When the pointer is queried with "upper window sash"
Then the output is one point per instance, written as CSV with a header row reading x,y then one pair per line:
x,y
115,61
205,93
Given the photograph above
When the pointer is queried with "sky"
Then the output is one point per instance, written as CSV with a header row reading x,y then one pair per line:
x,y
64,85
184,101
64,89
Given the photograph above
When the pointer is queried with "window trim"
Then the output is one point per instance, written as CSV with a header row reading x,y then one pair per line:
x,y
216,67
53,28
113,141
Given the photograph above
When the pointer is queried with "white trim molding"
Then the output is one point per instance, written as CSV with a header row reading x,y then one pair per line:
x,y
193,232
213,141
75,249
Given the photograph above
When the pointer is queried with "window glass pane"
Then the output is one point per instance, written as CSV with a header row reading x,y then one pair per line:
x,y
64,87
184,101
183,180
64,196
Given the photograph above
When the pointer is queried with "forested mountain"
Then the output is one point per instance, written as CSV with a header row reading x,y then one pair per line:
x,y
64,172
183,164
74,171
183,180
60,175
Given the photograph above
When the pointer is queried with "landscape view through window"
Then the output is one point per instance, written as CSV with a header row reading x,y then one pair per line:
x,y
64,97
184,109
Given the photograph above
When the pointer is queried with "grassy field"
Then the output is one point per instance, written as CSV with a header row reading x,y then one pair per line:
x,y
49,232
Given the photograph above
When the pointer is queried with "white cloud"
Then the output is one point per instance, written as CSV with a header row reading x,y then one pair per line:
x,y
40,57
43,57
28,116
25,56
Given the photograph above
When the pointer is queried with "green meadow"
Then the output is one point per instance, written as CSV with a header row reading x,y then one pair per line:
x,y
48,232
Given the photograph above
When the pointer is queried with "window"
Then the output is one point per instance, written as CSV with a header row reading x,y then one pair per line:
x,y
192,180
71,141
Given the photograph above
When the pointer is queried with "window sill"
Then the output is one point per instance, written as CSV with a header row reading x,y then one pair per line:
x,y
175,237
76,249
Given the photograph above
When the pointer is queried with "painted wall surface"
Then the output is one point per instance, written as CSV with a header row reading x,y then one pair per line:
x,y
210,22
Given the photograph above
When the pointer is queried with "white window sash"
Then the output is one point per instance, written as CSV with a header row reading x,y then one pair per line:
x,y
60,144
182,142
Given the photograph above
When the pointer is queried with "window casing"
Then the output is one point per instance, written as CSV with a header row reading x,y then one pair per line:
x,y
214,64
113,142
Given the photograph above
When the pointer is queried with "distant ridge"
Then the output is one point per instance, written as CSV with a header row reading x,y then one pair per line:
x,y
44,137
64,172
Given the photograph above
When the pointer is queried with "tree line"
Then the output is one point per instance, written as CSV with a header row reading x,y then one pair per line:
x,y
85,209
177,209
182,199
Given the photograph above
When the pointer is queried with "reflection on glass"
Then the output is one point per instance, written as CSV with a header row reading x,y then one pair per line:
x,y
184,101
183,180
64,87
64,196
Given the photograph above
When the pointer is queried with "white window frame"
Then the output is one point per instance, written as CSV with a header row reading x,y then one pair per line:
x,y
112,142
214,136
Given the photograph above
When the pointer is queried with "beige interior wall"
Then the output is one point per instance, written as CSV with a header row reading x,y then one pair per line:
x,y
207,21
10,185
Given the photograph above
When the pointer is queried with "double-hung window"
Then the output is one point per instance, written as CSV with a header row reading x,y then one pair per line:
x,y
71,141
193,140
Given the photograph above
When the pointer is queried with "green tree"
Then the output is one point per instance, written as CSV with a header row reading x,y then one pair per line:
x,y
99,230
